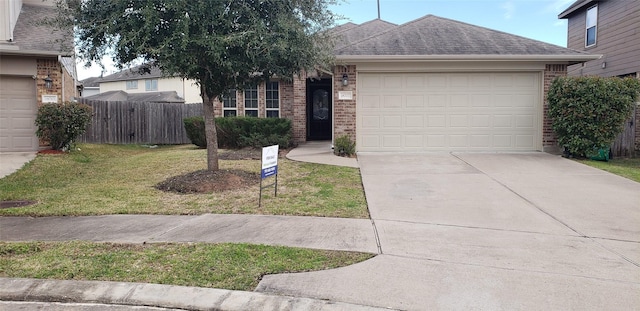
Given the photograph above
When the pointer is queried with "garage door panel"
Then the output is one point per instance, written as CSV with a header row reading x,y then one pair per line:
x,y
18,109
451,112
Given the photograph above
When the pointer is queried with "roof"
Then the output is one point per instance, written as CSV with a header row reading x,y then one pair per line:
x,y
91,82
436,37
31,36
155,97
70,65
133,73
351,32
576,6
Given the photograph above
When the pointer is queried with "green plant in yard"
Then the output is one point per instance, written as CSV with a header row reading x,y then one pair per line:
x,y
194,126
588,112
344,146
60,124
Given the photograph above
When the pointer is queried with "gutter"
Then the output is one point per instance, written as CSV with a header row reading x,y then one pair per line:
x,y
571,59
33,52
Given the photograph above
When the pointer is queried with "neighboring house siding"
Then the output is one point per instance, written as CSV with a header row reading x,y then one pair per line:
x,y
185,88
618,39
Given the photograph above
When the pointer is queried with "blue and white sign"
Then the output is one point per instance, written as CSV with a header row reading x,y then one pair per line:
x,y
269,161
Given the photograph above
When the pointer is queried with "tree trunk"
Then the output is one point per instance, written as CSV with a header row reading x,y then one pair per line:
x,y
210,132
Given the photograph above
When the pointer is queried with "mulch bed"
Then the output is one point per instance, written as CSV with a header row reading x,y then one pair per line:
x,y
51,151
205,181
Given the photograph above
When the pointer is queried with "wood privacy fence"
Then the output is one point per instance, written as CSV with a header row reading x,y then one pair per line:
x,y
625,143
138,122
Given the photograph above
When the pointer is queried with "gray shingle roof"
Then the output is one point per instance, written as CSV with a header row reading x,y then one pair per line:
x,y
91,82
432,35
133,73
30,34
347,34
155,97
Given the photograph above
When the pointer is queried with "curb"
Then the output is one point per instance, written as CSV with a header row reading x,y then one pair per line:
x,y
161,296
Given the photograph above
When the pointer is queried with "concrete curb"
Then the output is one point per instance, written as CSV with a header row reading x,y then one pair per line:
x,y
156,295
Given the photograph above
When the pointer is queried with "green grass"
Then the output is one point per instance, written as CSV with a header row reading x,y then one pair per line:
x,y
120,179
629,168
227,266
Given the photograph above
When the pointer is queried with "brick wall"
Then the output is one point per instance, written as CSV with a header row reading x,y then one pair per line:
x,y
299,113
52,68
344,111
549,139
637,125
70,90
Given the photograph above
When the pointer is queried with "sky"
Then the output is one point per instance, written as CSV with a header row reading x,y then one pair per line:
x,y
534,19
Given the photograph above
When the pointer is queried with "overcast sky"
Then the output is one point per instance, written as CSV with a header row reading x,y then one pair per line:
x,y
535,19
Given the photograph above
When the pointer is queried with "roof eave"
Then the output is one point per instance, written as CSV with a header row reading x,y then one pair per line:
x,y
560,58
573,8
34,53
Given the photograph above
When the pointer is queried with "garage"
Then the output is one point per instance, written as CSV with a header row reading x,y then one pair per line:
x,y
18,109
474,111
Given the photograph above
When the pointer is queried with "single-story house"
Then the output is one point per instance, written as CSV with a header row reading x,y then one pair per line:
x,y
36,67
432,84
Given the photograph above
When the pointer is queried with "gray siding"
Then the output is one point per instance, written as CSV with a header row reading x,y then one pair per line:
x,y
618,39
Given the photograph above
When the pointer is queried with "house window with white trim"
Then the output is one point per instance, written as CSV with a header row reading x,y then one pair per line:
x,y
591,29
132,84
229,104
251,101
151,85
272,93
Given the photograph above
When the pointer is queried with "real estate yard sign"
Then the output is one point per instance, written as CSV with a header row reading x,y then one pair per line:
x,y
269,168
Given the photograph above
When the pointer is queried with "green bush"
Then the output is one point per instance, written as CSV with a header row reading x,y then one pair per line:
x,y
344,146
588,112
194,126
240,132
60,124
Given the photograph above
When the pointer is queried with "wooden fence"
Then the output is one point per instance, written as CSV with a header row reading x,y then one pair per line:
x,y
625,143
138,122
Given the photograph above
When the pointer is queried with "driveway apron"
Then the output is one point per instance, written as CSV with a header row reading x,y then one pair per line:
x,y
489,231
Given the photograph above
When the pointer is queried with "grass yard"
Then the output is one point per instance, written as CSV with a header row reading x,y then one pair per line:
x,y
227,266
629,168
120,179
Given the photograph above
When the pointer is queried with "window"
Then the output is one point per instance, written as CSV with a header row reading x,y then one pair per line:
x,y
273,100
251,101
591,26
131,85
151,85
229,107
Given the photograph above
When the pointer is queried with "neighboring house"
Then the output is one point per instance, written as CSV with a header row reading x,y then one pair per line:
x,y
132,82
90,86
154,97
36,67
432,84
610,28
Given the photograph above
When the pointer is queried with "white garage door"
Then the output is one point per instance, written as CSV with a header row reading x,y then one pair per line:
x,y
448,112
18,109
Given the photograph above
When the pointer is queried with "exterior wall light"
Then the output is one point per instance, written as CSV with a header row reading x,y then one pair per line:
x,y
345,79
48,82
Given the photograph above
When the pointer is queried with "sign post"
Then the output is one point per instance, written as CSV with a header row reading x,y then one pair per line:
x,y
269,168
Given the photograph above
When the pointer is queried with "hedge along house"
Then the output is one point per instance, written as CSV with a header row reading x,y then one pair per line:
x,y
432,84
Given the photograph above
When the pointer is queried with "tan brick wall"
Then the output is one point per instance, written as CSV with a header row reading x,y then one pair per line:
x,y
344,111
53,68
549,139
299,111
70,90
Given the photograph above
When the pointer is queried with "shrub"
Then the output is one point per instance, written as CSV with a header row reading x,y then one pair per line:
x,y
344,146
194,126
588,112
60,124
240,132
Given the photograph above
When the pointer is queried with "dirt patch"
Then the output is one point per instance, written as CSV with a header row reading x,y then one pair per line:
x,y
205,181
51,151
10,204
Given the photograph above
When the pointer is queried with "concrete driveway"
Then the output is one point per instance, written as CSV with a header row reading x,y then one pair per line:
x,y
489,232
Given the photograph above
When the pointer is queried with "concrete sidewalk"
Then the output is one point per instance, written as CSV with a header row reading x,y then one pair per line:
x,y
320,152
10,162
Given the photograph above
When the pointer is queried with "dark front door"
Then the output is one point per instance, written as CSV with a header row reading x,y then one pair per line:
x,y
319,109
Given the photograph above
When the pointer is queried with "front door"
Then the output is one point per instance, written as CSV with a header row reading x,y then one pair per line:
x,y
319,109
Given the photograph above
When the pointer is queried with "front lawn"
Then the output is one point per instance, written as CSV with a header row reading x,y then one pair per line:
x,y
227,266
629,168
121,179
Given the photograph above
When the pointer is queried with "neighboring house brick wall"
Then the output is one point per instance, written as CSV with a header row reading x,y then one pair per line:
x,y
48,67
344,111
549,138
